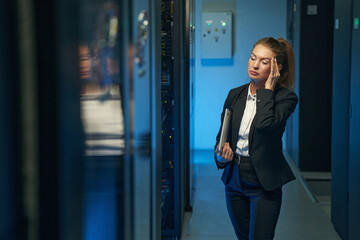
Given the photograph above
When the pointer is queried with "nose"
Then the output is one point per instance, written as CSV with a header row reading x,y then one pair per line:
x,y
256,64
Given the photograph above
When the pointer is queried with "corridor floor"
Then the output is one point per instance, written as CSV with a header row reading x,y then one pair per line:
x,y
300,218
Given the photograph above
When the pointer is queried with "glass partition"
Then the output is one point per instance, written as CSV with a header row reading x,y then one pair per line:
x,y
103,119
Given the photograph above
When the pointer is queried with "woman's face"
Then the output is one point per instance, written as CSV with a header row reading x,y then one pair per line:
x,y
85,62
259,65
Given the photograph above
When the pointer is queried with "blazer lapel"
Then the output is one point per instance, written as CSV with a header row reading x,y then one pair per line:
x,y
238,111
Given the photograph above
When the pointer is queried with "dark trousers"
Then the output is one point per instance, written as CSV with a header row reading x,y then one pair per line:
x,y
253,211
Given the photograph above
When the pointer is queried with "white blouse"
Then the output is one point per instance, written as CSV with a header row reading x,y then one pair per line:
x,y
242,146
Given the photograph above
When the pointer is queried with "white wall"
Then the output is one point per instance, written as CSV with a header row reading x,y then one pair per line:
x,y
254,19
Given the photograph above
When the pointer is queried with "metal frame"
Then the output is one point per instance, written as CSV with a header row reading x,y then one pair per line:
x,y
156,138
127,54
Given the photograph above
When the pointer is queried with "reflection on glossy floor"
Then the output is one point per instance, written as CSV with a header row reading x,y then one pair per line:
x,y
300,218
103,194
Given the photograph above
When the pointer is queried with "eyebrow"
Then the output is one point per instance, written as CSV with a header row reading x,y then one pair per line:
x,y
261,58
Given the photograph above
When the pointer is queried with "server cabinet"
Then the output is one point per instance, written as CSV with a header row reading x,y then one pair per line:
x,y
354,151
57,170
167,98
174,115
96,132
170,159
141,97
12,224
81,132
103,43
293,35
340,117
316,36
156,118
129,59
313,40
346,127
145,95
190,49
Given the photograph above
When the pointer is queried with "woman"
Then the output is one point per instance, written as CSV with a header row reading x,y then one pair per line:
x,y
254,166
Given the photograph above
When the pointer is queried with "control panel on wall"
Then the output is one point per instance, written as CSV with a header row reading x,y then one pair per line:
x,y
216,35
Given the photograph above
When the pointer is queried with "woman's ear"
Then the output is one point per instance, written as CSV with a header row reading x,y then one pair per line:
x,y
280,67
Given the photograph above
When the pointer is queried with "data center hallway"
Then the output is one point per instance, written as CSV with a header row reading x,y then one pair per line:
x,y
300,218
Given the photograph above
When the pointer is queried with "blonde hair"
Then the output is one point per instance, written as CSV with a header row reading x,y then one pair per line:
x,y
284,56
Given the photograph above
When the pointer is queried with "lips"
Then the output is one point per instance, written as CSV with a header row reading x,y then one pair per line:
x,y
254,73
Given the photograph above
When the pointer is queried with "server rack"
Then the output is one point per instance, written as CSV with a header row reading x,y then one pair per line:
x,y
174,115
58,175
312,35
12,217
340,117
346,116
354,127
189,79
169,201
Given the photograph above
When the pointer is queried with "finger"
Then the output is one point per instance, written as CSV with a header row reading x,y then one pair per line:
x,y
223,153
276,67
226,153
229,154
272,67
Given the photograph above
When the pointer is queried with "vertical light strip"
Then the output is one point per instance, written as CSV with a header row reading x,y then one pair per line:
x,y
28,105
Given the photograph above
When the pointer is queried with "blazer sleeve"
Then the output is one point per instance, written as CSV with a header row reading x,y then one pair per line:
x,y
226,104
271,113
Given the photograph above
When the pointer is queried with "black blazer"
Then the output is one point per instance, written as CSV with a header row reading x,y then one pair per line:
x,y
273,108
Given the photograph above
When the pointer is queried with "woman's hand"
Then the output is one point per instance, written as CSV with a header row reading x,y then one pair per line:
x,y
273,76
226,154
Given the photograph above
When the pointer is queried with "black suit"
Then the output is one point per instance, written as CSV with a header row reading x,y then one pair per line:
x,y
267,161
267,128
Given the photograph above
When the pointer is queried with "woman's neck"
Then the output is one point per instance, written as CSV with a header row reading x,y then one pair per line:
x,y
255,85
